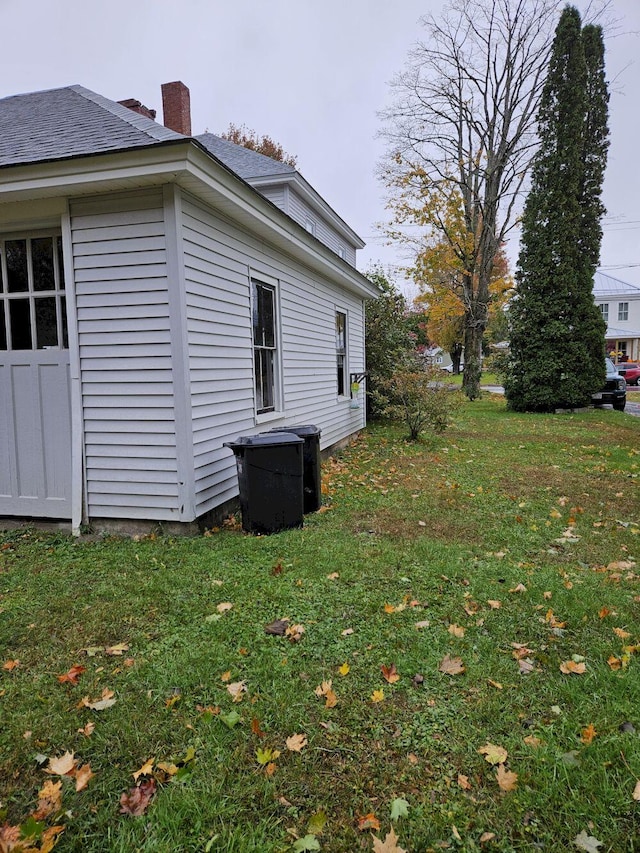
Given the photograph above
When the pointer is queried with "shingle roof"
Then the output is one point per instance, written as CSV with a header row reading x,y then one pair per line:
x,y
244,162
68,122
607,285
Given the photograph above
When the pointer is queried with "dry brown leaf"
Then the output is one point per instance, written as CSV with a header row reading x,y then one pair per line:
x,y
456,630
106,701
604,611
569,667
423,624
224,606
296,743
507,780
389,608
333,576
117,650
495,684
331,700
368,821
389,845
533,741
493,754
463,782
487,836
636,791
619,632
277,628
587,734
614,662
451,666
49,801
72,675
136,800
519,588
10,665
493,604
471,608
145,770
294,633
63,765
87,729
237,690
226,676
346,632
255,727
83,774
526,665
49,838
390,673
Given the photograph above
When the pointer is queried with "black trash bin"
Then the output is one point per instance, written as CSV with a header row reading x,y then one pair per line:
x,y
312,470
270,472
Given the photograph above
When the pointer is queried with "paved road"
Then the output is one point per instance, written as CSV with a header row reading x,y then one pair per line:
x,y
632,408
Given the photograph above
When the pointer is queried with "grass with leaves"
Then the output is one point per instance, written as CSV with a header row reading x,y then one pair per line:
x,y
455,660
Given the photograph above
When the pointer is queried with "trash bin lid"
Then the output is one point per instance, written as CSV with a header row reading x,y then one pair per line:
x,y
265,439
302,430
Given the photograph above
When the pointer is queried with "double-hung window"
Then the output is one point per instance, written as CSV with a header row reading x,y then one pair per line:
x,y
604,308
623,310
32,296
341,353
264,345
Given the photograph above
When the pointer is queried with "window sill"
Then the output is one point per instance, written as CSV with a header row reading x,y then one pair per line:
x,y
269,417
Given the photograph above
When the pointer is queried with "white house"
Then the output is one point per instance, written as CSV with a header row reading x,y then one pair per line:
x,y
620,306
160,294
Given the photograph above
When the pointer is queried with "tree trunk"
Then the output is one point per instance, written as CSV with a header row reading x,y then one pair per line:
x,y
473,334
456,357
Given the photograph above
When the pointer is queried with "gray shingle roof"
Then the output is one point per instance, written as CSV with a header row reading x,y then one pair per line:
x,y
69,122
244,162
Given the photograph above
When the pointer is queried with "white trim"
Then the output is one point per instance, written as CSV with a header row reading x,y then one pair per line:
x,y
78,467
176,285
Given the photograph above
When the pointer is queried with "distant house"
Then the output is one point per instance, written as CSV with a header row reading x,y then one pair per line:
x,y
160,294
620,306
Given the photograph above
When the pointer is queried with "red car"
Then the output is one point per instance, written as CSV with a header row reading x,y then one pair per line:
x,y
630,371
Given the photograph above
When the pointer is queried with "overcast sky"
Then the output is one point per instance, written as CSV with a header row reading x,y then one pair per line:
x,y
311,75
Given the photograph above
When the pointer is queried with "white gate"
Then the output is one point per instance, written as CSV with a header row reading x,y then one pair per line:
x,y
35,397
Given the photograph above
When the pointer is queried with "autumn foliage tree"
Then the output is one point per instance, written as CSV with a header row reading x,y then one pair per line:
x,y
461,133
241,135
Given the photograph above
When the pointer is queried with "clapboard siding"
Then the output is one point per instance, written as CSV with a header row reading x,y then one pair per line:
x,y
276,195
299,210
219,259
124,336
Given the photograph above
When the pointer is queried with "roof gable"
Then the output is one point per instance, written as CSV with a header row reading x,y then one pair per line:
x,y
243,161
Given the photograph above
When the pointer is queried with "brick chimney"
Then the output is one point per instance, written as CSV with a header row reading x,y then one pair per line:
x,y
176,107
138,107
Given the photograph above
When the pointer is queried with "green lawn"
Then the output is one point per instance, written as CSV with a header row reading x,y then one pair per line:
x,y
505,551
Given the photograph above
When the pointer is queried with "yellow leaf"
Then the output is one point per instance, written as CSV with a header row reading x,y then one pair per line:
x,y
62,765
555,514
145,770
456,630
294,633
344,669
48,839
377,696
493,754
389,608
226,676
569,667
331,700
49,800
588,734
296,743
507,780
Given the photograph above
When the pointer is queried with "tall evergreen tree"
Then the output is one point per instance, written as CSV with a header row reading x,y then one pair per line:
x,y
557,333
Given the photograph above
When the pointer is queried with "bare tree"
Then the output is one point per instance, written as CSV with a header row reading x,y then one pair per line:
x,y
462,135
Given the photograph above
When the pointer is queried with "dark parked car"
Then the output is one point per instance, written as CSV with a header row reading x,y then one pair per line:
x,y
614,390
630,371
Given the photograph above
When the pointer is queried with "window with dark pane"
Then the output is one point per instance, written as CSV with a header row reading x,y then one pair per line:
x,y
42,263
3,328
264,345
17,273
46,322
341,352
20,324
59,263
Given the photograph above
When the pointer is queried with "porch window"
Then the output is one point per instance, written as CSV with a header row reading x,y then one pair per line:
x,y
604,308
32,295
623,310
264,345
341,353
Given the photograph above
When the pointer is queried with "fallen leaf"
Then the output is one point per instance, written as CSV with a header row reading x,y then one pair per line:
x,y
493,604
277,628
145,770
237,689
72,675
389,608
390,673
423,624
636,791
451,666
587,734
604,611
224,606
296,743
49,802
87,729
325,690
487,836
493,754
118,649
547,594
255,727
377,696
267,755
495,684
519,588
308,842
368,821
526,665
507,780
587,842
471,608
346,632
533,741
624,635
106,701
317,822
399,808
10,665
62,765
49,838
333,576
389,845
463,782
456,630
136,800
82,775
294,633
569,667
344,669
231,719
